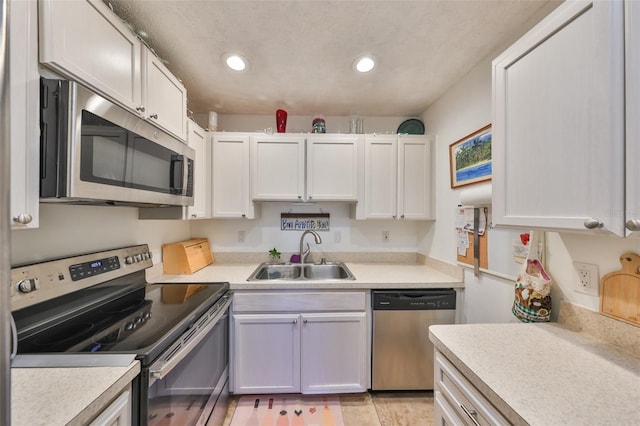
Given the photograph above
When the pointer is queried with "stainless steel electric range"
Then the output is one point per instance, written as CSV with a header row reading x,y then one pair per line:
x,y
86,308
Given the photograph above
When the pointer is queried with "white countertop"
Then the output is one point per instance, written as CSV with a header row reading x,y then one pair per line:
x,y
65,396
544,374
368,276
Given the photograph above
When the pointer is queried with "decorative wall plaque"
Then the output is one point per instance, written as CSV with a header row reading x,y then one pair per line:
x,y
304,221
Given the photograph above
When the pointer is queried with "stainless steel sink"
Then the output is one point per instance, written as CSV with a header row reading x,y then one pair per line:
x,y
297,272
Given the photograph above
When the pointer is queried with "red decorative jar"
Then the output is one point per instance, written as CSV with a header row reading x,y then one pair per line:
x,y
281,120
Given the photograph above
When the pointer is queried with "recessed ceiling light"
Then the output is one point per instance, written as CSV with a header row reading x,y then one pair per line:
x,y
365,64
235,61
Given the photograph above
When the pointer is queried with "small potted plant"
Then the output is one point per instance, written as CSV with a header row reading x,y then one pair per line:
x,y
274,255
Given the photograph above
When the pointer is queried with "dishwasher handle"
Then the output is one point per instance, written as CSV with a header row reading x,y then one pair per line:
x,y
401,300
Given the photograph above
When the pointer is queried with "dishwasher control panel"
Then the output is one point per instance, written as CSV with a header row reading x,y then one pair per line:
x,y
402,300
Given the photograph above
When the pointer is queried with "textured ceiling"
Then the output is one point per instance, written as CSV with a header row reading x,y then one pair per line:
x,y
301,52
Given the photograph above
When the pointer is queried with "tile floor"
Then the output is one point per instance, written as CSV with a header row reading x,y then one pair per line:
x,y
378,409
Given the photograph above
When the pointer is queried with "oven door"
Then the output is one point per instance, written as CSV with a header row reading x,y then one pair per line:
x,y
187,384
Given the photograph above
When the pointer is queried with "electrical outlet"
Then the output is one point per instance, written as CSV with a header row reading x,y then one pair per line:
x,y
241,236
586,278
385,236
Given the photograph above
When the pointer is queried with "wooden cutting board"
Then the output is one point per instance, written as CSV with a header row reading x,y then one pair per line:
x,y
620,291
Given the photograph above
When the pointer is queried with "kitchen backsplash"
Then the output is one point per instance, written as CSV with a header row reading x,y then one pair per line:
x,y
624,336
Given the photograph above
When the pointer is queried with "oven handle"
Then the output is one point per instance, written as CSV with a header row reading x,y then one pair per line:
x,y
172,357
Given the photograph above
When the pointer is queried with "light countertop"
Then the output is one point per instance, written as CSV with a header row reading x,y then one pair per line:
x,y
368,276
65,396
544,374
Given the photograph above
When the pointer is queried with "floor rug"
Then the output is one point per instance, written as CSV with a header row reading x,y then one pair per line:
x,y
288,410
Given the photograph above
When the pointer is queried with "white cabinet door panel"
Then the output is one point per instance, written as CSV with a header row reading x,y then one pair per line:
x,y
165,98
632,61
558,122
415,177
334,352
197,139
231,196
277,167
267,353
380,176
83,41
332,167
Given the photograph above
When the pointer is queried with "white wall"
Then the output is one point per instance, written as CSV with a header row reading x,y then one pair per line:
x,y
299,124
68,230
345,234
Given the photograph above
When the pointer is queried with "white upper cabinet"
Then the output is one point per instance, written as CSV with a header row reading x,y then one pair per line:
x,y
196,138
164,97
86,42
278,167
415,177
380,176
558,123
83,40
398,178
321,167
24,114
333,166
230,184
632,62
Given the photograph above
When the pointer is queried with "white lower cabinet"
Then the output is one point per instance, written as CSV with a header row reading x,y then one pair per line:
x,y
457,401
300,342
118,413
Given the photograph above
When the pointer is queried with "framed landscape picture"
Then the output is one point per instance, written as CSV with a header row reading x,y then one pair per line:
x,y
470,158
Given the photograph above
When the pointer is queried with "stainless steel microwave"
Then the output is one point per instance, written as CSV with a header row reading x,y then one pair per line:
x,y
95,152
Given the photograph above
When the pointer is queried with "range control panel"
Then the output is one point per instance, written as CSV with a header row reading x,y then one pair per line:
x,y
32,284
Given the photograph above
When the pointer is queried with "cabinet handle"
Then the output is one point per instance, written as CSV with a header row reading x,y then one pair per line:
x,y
633,224
593,224
23,219
244,215
154,116
305,321
140,108
299,197
295,321
402,217
471,414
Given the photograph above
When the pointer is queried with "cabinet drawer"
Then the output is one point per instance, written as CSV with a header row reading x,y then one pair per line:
x,y
463,397
283,301
443,413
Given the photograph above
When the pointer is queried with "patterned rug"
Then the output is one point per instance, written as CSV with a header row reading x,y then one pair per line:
x,y
288,410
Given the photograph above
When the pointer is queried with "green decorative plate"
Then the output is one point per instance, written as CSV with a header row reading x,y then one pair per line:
x,y
412,126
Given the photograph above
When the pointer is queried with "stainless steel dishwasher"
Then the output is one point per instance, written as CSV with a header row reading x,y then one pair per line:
x,y
402,356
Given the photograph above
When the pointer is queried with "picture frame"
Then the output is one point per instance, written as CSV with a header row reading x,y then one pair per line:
x,y
470,159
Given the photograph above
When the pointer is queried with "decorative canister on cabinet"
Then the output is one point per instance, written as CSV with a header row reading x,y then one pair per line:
x,y
281,120
319,125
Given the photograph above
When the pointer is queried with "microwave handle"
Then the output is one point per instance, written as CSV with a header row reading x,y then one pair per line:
x,y
176,171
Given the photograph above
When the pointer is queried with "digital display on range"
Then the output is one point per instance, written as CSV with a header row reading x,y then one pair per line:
x,y
93,267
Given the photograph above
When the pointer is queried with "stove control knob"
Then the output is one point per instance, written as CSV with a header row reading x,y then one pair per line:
x,y
27,285
129,326
128,260
138,257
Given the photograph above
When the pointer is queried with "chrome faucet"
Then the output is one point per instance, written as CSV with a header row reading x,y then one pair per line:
x,y
305,253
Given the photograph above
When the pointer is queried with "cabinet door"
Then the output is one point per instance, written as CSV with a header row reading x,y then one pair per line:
x,y
164,96
196,138
558,129
380,176
118,413
266,353
334,352
333,167
277,167
85,41
632,61
24,114
415,177
231,196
